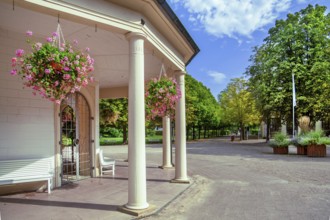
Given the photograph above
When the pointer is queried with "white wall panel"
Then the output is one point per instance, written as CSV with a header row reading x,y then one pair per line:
x,y
26,121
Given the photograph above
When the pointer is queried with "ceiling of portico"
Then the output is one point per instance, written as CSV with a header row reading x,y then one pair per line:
x,y
109,49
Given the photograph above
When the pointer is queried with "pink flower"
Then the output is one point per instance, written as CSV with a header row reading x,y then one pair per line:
x,y
13,61
58,101
29,77
29,33
85,82
62,49
47,71
38,46
49,39
19,52
13,72
75,42
56,83
54,34
91,79
66,68
66,76
77,57
87,49
76,62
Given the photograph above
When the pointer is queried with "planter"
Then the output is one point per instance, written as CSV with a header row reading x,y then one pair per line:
x,y
281,150
301,150
317,150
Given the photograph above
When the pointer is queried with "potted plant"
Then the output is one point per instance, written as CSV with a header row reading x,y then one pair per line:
x,y
301,143
280,143
317,142
161,95
53,69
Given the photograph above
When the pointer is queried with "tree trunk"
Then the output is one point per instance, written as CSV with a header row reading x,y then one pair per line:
x,y
204,131
242,131
124,134
268,129
199,132
193,133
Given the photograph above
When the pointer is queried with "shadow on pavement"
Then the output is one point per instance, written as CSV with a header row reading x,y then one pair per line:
x,y
60,204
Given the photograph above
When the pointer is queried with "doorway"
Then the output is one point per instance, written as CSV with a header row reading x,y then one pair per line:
x,y
76,150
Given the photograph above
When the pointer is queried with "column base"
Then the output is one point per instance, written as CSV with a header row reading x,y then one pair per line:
x,y
137,212
183,181
166,167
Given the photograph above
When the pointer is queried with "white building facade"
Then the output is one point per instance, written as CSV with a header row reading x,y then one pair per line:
x,y
130,41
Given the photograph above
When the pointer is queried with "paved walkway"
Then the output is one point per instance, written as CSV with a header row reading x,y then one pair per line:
x,y
94,198
239,180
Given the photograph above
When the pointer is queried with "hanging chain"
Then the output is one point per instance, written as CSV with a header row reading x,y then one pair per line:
x,y
162,71
60,37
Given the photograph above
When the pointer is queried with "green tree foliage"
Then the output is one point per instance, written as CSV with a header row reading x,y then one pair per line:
x,y
238,105
299,45
202,112
202,109
114,114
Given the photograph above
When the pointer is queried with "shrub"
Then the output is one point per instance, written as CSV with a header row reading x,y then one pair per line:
x,y
280,140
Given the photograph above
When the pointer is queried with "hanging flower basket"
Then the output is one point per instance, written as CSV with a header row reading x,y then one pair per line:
x,y
161,96
53,69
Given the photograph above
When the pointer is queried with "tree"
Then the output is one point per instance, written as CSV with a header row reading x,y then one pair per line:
x,y
238,105
114,112
298,46
202,109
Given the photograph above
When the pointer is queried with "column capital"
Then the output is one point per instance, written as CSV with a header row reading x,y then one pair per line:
x,y
179,72
139,35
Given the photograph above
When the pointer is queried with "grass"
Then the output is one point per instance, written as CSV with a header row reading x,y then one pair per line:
x,y
119,140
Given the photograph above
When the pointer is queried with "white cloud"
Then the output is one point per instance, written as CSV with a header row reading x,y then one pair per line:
x,y
217,77
233,18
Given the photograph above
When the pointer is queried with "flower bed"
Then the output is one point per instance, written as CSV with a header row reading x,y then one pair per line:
x,y
53,70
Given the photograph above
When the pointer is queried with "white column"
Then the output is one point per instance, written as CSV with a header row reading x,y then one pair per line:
x,y
137,183
180,134
318,126
166,143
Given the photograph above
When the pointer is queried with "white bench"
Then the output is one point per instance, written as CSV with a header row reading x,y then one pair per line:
x,y
106,163
27,170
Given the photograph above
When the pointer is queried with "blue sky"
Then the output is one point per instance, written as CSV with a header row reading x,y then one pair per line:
x,y
227,30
